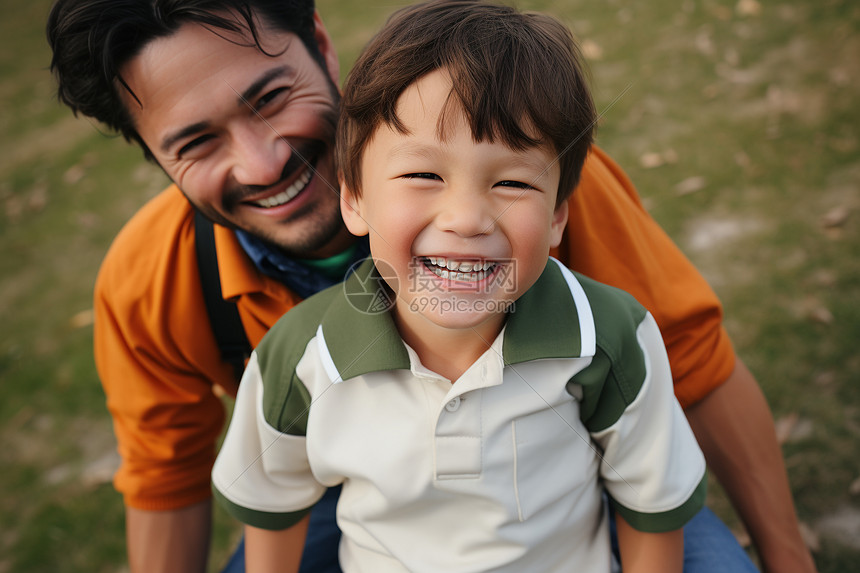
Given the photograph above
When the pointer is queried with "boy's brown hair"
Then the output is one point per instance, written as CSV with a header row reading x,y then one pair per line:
x,y
515,75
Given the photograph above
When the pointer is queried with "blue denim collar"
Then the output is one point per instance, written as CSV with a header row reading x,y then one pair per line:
x,y
300,278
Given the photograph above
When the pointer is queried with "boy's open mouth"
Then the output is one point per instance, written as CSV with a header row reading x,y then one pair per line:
x,y
459,270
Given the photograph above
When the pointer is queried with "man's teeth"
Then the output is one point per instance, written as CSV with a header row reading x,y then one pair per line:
x,y
289,193
472,271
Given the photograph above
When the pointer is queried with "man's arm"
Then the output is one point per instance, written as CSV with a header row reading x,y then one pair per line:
x,y
649,552
280,551
169,541
158,367
735,430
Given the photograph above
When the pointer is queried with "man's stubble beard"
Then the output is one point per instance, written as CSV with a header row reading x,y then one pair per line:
x,y
326,220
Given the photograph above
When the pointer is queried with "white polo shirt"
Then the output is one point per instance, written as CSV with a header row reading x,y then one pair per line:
x,y
503,470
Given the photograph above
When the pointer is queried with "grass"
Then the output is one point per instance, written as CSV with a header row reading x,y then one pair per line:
x,y
737,120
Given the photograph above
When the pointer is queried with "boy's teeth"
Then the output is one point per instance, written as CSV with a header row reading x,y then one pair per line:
x,y
459,270
288,194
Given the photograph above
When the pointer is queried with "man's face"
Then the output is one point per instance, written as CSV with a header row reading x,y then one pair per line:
x,y
247,136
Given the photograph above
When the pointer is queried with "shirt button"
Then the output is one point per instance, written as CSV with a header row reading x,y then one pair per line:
x,y
453,405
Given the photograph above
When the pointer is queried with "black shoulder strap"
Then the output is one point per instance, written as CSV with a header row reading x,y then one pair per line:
x,y
223,315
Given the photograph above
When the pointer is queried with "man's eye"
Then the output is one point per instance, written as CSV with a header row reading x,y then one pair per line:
x,y
514,184
193,144
269,96
431,176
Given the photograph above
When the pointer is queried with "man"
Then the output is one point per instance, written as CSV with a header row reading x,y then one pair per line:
x,y
237,103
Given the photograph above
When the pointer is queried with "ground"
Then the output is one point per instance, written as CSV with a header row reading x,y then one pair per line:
x,y
736,119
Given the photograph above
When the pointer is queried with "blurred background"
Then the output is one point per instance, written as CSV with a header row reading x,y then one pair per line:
x,y
737,120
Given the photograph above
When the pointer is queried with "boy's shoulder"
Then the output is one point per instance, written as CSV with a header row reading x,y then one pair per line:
x,y
614,309
285,342
350,313
618,370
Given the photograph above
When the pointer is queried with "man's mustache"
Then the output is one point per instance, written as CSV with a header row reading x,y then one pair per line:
x,y
303,156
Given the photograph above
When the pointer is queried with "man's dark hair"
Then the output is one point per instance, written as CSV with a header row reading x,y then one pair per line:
x,y
92,40
518,76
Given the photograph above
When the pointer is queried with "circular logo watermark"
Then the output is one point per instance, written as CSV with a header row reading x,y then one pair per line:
x,y
370,285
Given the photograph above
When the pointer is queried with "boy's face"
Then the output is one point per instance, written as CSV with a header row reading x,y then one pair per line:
x,y
458,229
248,137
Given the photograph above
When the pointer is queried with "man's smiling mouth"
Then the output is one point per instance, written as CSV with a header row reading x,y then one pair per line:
x,y
459,270
289,193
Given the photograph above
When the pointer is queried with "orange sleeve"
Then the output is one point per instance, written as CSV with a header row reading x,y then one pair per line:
x,y
157,358
611,238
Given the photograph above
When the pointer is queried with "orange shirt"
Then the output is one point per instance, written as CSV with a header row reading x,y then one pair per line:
x,y
158,360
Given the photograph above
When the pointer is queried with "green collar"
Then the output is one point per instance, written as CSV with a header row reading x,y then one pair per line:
x,y
361,337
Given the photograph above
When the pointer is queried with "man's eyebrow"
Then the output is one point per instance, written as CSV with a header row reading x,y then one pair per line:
x,y
250,93
255,88
186,131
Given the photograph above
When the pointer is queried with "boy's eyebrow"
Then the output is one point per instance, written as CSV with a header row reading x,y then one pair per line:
x,y
242,99
421,150
410,149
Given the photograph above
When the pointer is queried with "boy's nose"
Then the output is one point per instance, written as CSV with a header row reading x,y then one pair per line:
x,y
467,214
259,156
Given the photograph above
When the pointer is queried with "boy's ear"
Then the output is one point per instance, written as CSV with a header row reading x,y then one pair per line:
x,y
350,210
559,222
326,49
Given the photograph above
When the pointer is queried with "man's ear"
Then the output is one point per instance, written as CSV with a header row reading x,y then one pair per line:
x,y
559,222
327,49
350,210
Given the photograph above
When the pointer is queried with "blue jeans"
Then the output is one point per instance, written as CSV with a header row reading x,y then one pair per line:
x,y
709,546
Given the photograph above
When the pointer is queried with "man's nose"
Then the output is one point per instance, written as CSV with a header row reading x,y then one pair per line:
x,y
465,212
259,155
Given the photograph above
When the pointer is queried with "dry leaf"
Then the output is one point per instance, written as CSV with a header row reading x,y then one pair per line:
x,y
810,537
825,379
690,185
720,12
748,8
37,198
82,319
792,428
820,314
836,217
839,76
87,219
854,488
101,471
654,159
670,156
784,426
824,277
651,160
73,174
591,50
704,42
743,537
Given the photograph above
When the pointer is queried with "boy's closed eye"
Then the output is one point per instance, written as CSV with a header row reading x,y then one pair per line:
x,y
431,176
434,177
515,184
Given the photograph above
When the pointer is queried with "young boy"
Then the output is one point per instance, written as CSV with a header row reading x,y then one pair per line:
x,y
474,398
